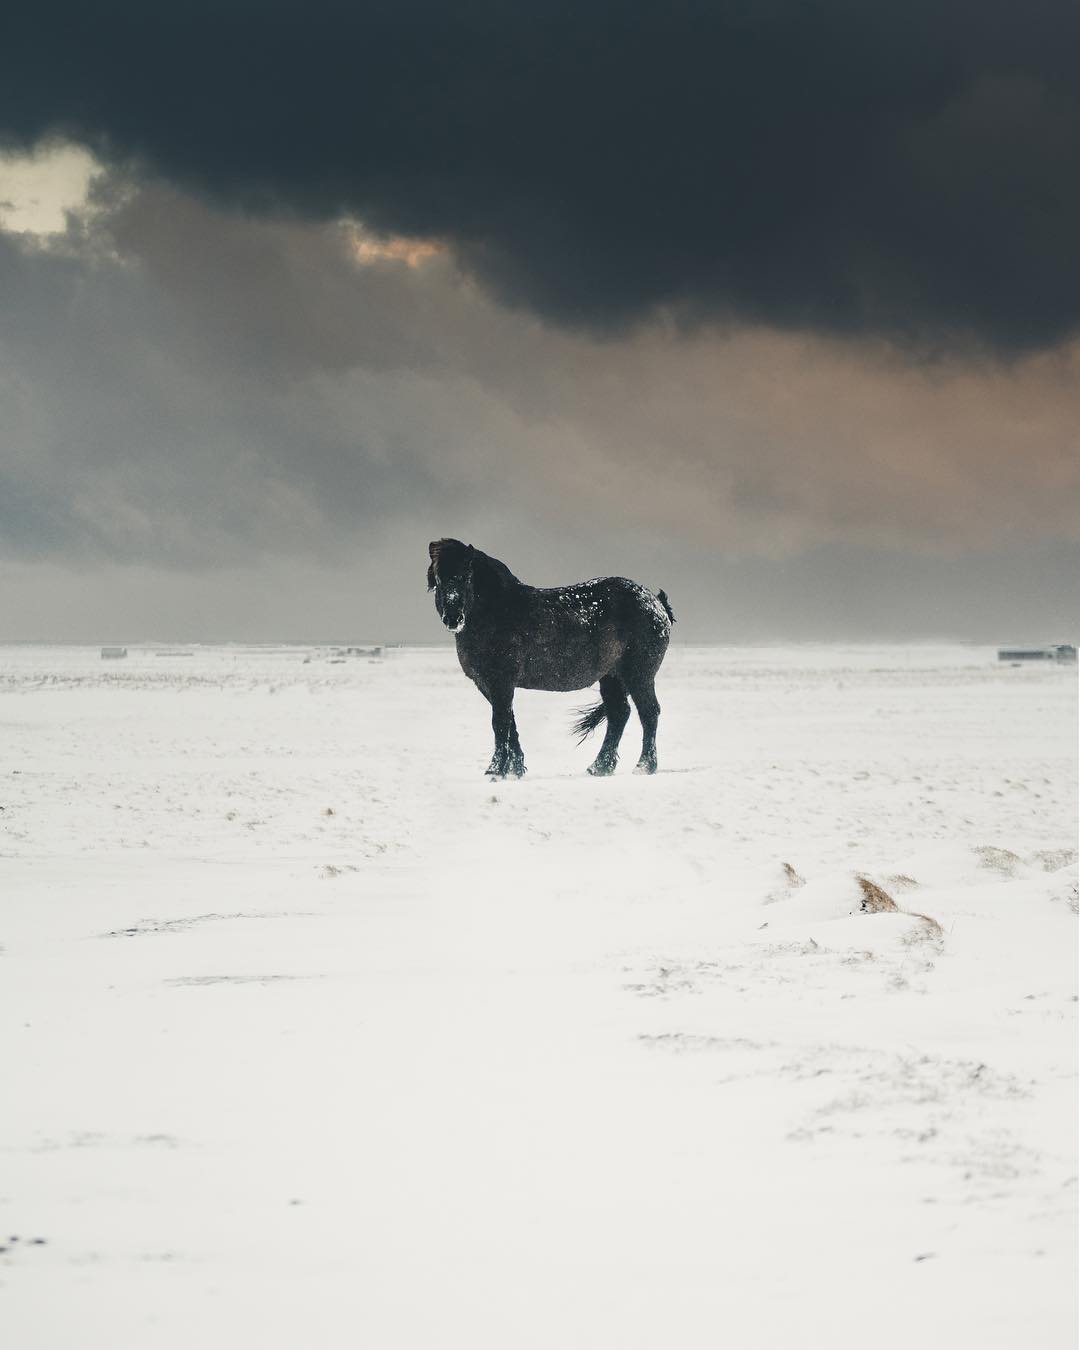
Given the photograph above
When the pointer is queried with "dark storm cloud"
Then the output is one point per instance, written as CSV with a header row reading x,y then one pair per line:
x,y
910,169
219,426
186,387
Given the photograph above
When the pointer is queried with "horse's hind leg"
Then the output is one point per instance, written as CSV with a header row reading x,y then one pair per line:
x,y
617,710
648,708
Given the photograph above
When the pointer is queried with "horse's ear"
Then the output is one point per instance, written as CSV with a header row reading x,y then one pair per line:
x,y
433,553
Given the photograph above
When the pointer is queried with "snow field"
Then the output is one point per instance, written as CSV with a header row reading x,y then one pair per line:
x,y
312,1035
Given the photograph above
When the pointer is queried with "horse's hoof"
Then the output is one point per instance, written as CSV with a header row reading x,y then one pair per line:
x,y
601,770
645,767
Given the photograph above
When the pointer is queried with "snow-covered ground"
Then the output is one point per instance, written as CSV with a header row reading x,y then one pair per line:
x,y
312,1036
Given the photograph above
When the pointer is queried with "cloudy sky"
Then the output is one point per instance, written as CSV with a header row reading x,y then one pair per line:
x,y
774,305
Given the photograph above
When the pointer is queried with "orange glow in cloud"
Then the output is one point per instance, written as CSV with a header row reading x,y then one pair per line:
x,y
372,248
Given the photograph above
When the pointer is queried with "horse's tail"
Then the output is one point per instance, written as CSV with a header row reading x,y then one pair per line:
x,y
662,597
587,722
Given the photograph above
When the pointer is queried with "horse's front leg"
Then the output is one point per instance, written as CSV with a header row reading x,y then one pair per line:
x,y
517,755
508,761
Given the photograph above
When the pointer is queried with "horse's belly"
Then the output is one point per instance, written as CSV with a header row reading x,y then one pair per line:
x,y
557,681
567,666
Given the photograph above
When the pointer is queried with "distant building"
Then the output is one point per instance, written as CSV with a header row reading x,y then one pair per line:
x,y
113,653
1062,651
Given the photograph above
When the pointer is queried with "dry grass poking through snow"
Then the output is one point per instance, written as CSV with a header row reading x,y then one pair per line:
x,y
1002,860
929,932
876,900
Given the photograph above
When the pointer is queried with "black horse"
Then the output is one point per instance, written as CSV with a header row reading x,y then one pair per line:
x,y
512,636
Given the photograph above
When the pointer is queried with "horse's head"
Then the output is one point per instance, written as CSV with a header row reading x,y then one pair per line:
x,y
450,576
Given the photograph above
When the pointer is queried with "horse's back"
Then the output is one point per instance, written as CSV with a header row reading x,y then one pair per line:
x,y
575,635
639,614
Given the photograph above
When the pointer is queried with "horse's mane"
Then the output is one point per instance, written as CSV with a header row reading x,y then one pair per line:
x,y
489,574
497,571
